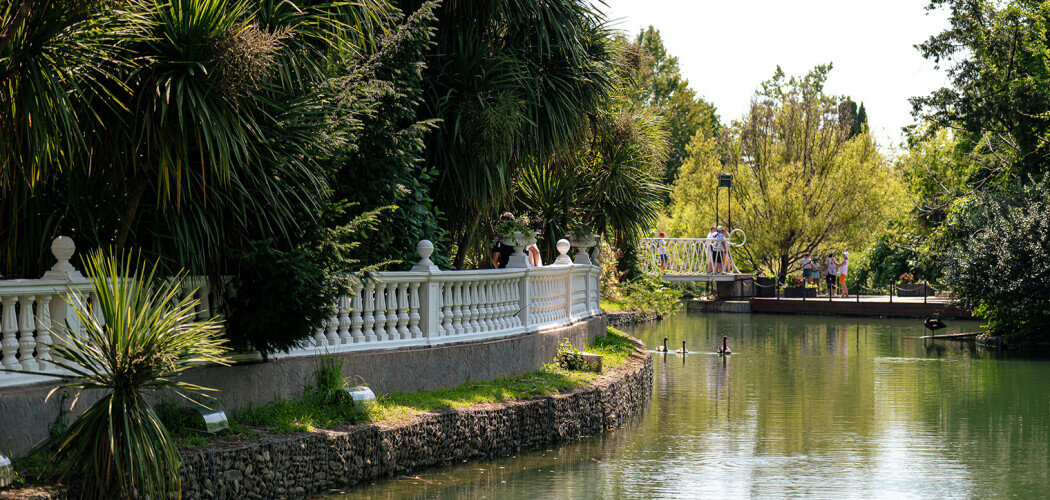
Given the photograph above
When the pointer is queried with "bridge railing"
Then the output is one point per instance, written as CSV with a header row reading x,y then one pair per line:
x,y
424,306
688,256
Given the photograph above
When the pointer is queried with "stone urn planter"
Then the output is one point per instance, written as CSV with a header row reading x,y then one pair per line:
x,y
583,245
520,241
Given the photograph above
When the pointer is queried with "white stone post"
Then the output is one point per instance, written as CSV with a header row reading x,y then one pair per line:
x,y
43,328
430,299
63,248
568,294
524,299
563,253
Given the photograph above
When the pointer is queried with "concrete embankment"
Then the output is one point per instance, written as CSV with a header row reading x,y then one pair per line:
x,y
298,465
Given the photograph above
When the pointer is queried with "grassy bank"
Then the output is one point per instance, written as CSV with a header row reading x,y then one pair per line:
x,y
321,407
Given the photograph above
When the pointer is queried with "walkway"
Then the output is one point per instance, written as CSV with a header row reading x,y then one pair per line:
x,y
867,305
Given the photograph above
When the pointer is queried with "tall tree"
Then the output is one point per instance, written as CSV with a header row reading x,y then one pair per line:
x,y
801,185
509,80
662,86
999,66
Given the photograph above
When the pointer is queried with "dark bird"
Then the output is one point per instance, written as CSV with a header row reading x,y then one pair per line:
x,y
662,348
724,348
934,324
682,350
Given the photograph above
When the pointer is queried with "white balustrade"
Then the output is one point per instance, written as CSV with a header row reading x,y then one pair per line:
x,y
425,306
689,256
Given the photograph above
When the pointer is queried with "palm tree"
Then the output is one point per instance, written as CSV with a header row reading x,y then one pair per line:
x,y
510,80
147,334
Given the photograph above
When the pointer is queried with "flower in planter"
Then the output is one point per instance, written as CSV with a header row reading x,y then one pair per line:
x,y
507,225
907,278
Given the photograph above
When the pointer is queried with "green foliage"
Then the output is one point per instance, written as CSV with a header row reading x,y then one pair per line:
x,y
615,347
800,185
568,357
999,259
379,98
509,80
146,336
661,86
995,55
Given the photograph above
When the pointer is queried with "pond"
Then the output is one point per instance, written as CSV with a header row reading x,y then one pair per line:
x,y
806,405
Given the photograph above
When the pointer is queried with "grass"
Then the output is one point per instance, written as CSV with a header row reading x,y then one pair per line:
x,y
323,406
607,305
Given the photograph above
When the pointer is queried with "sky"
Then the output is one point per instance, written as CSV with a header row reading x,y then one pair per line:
x,y
726,48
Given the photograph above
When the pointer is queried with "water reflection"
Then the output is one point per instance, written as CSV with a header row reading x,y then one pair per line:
x,y
816,406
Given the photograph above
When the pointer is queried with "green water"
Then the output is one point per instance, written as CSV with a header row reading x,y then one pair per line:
x,y
806,406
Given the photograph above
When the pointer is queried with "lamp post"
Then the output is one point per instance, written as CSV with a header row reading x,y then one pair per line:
x,y
725,181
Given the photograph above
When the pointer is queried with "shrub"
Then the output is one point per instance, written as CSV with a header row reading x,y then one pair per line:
x,y
999,259
119,447
568,357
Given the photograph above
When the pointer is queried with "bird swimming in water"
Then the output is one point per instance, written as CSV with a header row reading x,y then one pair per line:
x,y
724,348
934,324
662,348
682,350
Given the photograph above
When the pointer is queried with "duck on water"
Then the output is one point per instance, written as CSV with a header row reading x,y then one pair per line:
x,y
724,348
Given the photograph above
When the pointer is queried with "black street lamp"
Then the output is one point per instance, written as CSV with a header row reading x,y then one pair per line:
x,y
725,181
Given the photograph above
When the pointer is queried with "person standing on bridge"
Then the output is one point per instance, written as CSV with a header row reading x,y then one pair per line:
x,y
661,251
709,249
832,273
807,269
843,270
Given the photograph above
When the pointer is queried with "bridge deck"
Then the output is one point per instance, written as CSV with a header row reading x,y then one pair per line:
x,y
705,277
869,305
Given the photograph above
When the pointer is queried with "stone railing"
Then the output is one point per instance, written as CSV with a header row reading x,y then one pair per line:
x,y
424,306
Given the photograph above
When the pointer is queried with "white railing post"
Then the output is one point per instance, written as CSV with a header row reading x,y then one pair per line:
x,y
568,294
9,328
524,299
430,302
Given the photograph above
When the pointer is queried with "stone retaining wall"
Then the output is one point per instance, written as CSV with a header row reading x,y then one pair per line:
x,y
619,319
298,465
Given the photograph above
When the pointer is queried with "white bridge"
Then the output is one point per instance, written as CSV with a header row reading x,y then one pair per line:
x,y
691,259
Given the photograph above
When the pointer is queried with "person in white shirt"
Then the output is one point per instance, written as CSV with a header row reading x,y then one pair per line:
x,y
709,249
807,270
843,270
661,251
832,274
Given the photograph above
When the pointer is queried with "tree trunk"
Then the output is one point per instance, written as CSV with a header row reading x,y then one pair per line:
x,y
129,214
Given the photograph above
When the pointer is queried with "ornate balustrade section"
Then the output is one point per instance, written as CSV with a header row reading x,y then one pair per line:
x,y
689,256
424,306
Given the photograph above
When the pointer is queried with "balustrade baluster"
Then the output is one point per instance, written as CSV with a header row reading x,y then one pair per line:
x,y
487,301
469,322
205,304
476,319
332,326
356,321
319,340
26,328
344,320
43,329
391,312
447,316
381,311
402,311
457,308
443,314
368,299
413,316
9,328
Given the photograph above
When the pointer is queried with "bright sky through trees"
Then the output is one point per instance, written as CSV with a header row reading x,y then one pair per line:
x,y
726,48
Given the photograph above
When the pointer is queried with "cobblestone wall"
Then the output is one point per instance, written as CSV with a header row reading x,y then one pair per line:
x,y
302,464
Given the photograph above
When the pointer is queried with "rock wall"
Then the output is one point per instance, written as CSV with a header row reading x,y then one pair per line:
x,y
298,465
25,415
619,319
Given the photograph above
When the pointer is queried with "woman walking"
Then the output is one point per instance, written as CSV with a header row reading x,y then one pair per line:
x,y
661,251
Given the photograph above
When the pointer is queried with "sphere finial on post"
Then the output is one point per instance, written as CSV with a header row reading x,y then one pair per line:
x,y
63,249
563,247
425,249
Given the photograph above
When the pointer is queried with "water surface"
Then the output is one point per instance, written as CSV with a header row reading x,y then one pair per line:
x,y
806,406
